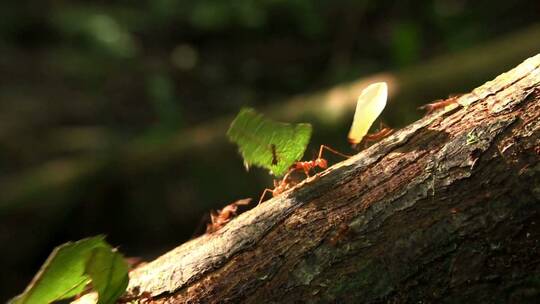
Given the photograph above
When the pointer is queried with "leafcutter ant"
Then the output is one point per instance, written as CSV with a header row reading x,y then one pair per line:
x,y
320,162
439,104
383,132
221,217
279,186
284,184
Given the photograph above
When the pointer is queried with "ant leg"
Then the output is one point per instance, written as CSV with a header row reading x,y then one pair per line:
x,y
291,170
383,132
429,108
264,194
242,202
213,217
439,104
332,150
286,176
365,144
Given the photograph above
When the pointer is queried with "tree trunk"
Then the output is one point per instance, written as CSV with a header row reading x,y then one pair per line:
x,y
444,210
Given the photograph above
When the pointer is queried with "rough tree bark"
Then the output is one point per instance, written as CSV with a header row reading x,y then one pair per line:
x,y
445,210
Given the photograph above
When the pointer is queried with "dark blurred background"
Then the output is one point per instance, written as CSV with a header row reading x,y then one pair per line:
x,y
113,113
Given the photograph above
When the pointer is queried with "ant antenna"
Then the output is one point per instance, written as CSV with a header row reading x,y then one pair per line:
x,y
331,150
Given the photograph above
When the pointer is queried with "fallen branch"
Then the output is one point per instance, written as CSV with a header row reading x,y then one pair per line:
x,y
446,208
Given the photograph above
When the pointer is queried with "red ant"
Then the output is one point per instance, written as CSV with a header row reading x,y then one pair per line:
x,y
320,162
279,186
306,166
439,104
223,216
383,132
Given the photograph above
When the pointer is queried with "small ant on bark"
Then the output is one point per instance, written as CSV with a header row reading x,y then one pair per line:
x,y
383,132
284,184
439,104
279,186
320,162
221,217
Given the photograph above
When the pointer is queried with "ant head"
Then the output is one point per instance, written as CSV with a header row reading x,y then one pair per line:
x,y
322,163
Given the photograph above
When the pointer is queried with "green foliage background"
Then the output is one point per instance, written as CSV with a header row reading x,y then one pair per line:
x,y
93,95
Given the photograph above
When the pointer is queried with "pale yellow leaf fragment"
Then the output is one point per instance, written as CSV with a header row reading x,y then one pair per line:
x,y
369,106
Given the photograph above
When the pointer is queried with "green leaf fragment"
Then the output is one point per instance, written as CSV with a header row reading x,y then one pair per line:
x,y
266,143
109,273
71,267
62,276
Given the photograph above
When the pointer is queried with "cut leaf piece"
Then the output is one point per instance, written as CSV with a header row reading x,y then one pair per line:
x,y
266,143
371,103
109,273
62,276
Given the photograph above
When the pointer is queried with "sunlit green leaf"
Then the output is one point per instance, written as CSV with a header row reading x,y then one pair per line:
x,y
63,274
109,273
266,143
